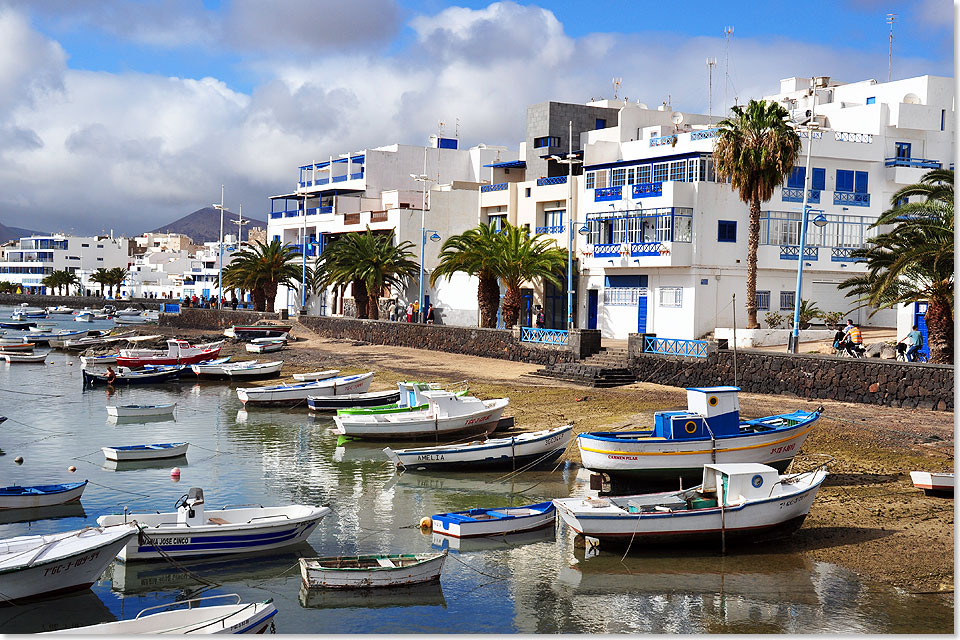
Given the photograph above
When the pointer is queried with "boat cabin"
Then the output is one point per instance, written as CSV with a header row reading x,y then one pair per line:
x,y
191,511
739,482
448,404
710,410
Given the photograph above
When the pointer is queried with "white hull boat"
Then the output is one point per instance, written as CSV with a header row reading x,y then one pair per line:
x,y
98,361
129,410
18,497
219,368
736,500
316,375
513,452
128,312
34,358
294,393
132,320
933,484
493,522
446,414
146,451
60,310
83,317
240,617
255,370
371,571
32,566
264,347
192,531
47,336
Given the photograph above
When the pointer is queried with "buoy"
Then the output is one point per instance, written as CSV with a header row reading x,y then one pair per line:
x,y
175,474
18,459
426,522
72,469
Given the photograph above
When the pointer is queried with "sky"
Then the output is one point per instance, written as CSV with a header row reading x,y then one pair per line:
x,y
125,115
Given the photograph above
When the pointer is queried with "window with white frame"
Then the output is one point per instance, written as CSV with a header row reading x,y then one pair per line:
x,y
618,177
671,297
660,172
601,179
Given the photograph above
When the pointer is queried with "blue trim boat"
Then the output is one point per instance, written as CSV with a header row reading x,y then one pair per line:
x,y
491,522
45,495
146,376
146,451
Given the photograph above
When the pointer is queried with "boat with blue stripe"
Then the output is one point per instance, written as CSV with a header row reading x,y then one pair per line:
x,y
709,431
44,495
192,531
492,522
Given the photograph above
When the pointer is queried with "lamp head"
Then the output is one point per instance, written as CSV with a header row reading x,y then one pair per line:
x,y
584,230
820,220
435,237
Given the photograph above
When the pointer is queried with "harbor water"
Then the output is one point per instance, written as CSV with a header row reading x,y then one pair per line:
x,y
538,582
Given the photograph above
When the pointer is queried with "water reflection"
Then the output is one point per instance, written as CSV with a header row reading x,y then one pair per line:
x,y
136,465
429,594
487,543
34,514
60,612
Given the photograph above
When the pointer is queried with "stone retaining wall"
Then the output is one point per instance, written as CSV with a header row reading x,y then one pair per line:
x,y
863,380
192,318
78,302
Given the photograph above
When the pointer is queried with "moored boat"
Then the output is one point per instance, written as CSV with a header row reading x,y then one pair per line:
x,y
316,375
83,316
60,310
256,370
23,346
516,451
46,336
368,399
250,332
294,393
411,399
193,531
240,617
147,376
491,522
735,500
371,571
41,565
710,430
19,497
178,352
219,369
34,358
265,347
933,484
95,361
145,451
22,325
129,410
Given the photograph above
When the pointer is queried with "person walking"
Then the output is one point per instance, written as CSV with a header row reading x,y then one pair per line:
x,y
391,310
541,319
430,316
410,312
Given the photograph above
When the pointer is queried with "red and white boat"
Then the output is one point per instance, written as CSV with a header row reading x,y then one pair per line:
x,y
178,352
933,484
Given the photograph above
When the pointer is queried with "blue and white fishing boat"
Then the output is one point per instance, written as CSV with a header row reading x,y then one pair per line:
x,y
410,398
13,324
46,495
280,394
147,376
146,451
44,337
709,431
540,447
192,531
492,522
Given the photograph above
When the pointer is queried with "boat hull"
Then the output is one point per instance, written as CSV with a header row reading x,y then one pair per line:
x,y
421,424
131,410
151,377
48,496
369,399
145,453
234,618
297,393
316,375
492,522
934,484
135,362
259,370
364,572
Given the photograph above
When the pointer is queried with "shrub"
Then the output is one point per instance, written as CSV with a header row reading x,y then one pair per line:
x,y
774,320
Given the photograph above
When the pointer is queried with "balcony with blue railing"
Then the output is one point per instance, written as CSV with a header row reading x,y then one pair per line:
x,y
663,141
918,163
322,181
607,250
557,337
276,214
792,252
291,214
843,254
851,198
606,194
339,178
501,186
557,228
704,134
674,347
796,195
327,209
543,182
642,249
356,176
647,190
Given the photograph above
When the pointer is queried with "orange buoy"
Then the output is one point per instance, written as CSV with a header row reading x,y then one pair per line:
x,y
426,522
72,469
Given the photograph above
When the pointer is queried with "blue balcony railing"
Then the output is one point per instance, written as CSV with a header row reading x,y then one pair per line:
x,y
796,195
705,134
791,252
607,193
919,163
557,228
672,347
339,178
557,337
542,182
607,250
663,140
322,181
276,214
356,176
648,190
327,209
291,214
851,198
502,186
639,249
843,254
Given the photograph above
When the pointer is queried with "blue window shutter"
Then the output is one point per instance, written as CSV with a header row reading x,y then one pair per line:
x,y
844,180
726,231
871,100
861,182
601,123
797,177
819,179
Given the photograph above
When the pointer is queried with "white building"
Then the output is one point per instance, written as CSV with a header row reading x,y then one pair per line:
x,y
34,258
376,188
666,244
158,273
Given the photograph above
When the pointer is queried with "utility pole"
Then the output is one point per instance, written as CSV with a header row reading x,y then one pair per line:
x,y
727,34
711,63
891,18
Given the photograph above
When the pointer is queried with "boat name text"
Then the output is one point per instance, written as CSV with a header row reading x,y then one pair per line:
x,y
66,566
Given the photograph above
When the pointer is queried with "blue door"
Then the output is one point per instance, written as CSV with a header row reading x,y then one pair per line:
x,y
592,309
526,307
920,319
642,313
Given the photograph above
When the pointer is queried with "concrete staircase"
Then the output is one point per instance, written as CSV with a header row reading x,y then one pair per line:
x,y
605,369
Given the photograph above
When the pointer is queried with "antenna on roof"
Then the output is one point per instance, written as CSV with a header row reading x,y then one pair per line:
x,y
727,34
711,63
891,18
616,86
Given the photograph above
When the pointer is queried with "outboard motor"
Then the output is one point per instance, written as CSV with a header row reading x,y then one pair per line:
x,y
190,507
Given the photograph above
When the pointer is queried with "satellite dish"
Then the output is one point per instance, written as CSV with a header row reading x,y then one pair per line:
x,y
911,98
642,105
676,118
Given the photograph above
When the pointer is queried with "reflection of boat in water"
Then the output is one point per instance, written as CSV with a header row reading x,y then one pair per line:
x,y
487,543
135,577
69,510
60,612
132,465
115,420
428,594
547,483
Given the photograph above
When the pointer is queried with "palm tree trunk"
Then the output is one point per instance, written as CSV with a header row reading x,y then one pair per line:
x,y
753,243
511,306
939,320
259,299
360,298
270,295
488,299
373,307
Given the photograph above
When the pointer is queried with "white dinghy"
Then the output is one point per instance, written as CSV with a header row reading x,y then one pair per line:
x,y
371,571
146,451
257,370
316,375
191,531
33,566
293,393
240,617
447,414
130,410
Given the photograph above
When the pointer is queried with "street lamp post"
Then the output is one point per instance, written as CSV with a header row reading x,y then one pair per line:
x,y
220,276
423,179
569,161
303,251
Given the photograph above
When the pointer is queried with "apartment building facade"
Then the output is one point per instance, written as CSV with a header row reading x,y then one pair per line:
x,y
31,259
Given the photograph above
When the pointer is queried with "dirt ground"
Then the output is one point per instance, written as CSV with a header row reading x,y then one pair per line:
x,y
867,516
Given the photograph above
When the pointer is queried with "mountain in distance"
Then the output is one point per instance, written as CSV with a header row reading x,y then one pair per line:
x,y
203,225
15,233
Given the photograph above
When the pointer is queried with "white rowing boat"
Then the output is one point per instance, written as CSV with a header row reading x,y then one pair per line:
x,y
316,375
371,571
294,393
46,495
128,410
146,451
258,369
494,522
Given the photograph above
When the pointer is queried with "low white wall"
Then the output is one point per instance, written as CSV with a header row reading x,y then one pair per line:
x,y
770,337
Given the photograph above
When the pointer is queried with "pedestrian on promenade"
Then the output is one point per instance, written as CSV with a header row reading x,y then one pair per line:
x,y
541,320
430,316
914,340
391,310
410,312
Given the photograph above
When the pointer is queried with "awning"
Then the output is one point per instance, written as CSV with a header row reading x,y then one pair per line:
x,y
513,164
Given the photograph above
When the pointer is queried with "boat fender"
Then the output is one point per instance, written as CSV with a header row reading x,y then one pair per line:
x,y
72,469
426,523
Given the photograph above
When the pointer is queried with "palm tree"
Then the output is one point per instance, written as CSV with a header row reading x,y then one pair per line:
x,y
522,258
756,148
260,269
55,280
913,261
335,267
475,253
71,279
116,276
101,277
